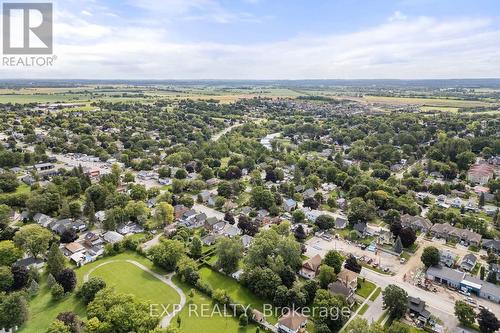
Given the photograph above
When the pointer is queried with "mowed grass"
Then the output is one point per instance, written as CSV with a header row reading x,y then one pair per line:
x,y
237,292
365,288
201,314
127,278
43,310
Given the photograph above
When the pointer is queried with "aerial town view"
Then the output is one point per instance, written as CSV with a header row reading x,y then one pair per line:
x,y
246,166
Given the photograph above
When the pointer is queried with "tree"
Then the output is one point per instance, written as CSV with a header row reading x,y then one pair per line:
x,y
224,189
333,320
67,279
430,256
398,245
397,327
69,235
167,253
261,281
352,264
360,211
325,222
6,278
58,326
21,277
9,253
326,276
311,203
164,213
33,239
138,192
481,199
195,248
90,288
261,198
358,325
55,260
395,301
300,233
465,313
298,216
334,259
229,252
71,320
57,291
408,237
243,320
488,322
188,270
13,309
8,182
114,312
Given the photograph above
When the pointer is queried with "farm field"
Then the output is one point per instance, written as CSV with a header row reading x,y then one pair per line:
x,y
429,102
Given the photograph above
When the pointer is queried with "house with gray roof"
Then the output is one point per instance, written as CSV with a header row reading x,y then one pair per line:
x,y
491,245
417,223
468,262
449,232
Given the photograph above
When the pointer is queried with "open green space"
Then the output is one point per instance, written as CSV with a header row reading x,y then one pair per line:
x,y
43,310
201,314
127,278
365,288
363,309
236,291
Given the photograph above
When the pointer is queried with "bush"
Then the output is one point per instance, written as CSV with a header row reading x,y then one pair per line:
x,y
57,291
90,288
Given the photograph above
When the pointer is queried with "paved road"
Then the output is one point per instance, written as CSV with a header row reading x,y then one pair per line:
x,y
367,301
375,310
152,242
165,321
226,130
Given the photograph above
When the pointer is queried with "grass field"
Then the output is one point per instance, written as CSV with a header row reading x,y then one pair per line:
x,y
363,309
375,294
365,288
133,280
432,102
42,310
209,320
237,292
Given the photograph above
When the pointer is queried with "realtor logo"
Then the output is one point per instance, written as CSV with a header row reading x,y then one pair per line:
x,y
27,28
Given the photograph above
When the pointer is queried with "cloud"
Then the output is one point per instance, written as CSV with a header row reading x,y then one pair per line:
x,y
413,48
397,16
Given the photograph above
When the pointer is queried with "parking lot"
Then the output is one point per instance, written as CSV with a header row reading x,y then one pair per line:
x,y
317,245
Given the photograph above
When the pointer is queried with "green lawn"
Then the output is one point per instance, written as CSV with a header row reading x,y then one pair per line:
x,y
42,310
365,288
375,294
133,280
200,315
237,292
23,188
363,309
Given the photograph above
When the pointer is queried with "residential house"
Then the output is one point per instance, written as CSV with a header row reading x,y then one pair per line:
x,y
338,288
72,248
447,258
231,230
360,228
112,237
491,245
30,262
129,228
456,203
480,173
417,307
341,203
258,317
43,220
417,223
312,214
292,322
495,268
179,211
246,240
210,222
309,193
348,278
92,239
310,267
449,232
209,240
289,205
468,262
340,222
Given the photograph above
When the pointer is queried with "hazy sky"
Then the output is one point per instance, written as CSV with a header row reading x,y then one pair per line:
x,y
272,39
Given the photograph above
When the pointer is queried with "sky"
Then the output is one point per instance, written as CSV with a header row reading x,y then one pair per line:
x,y
272,39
